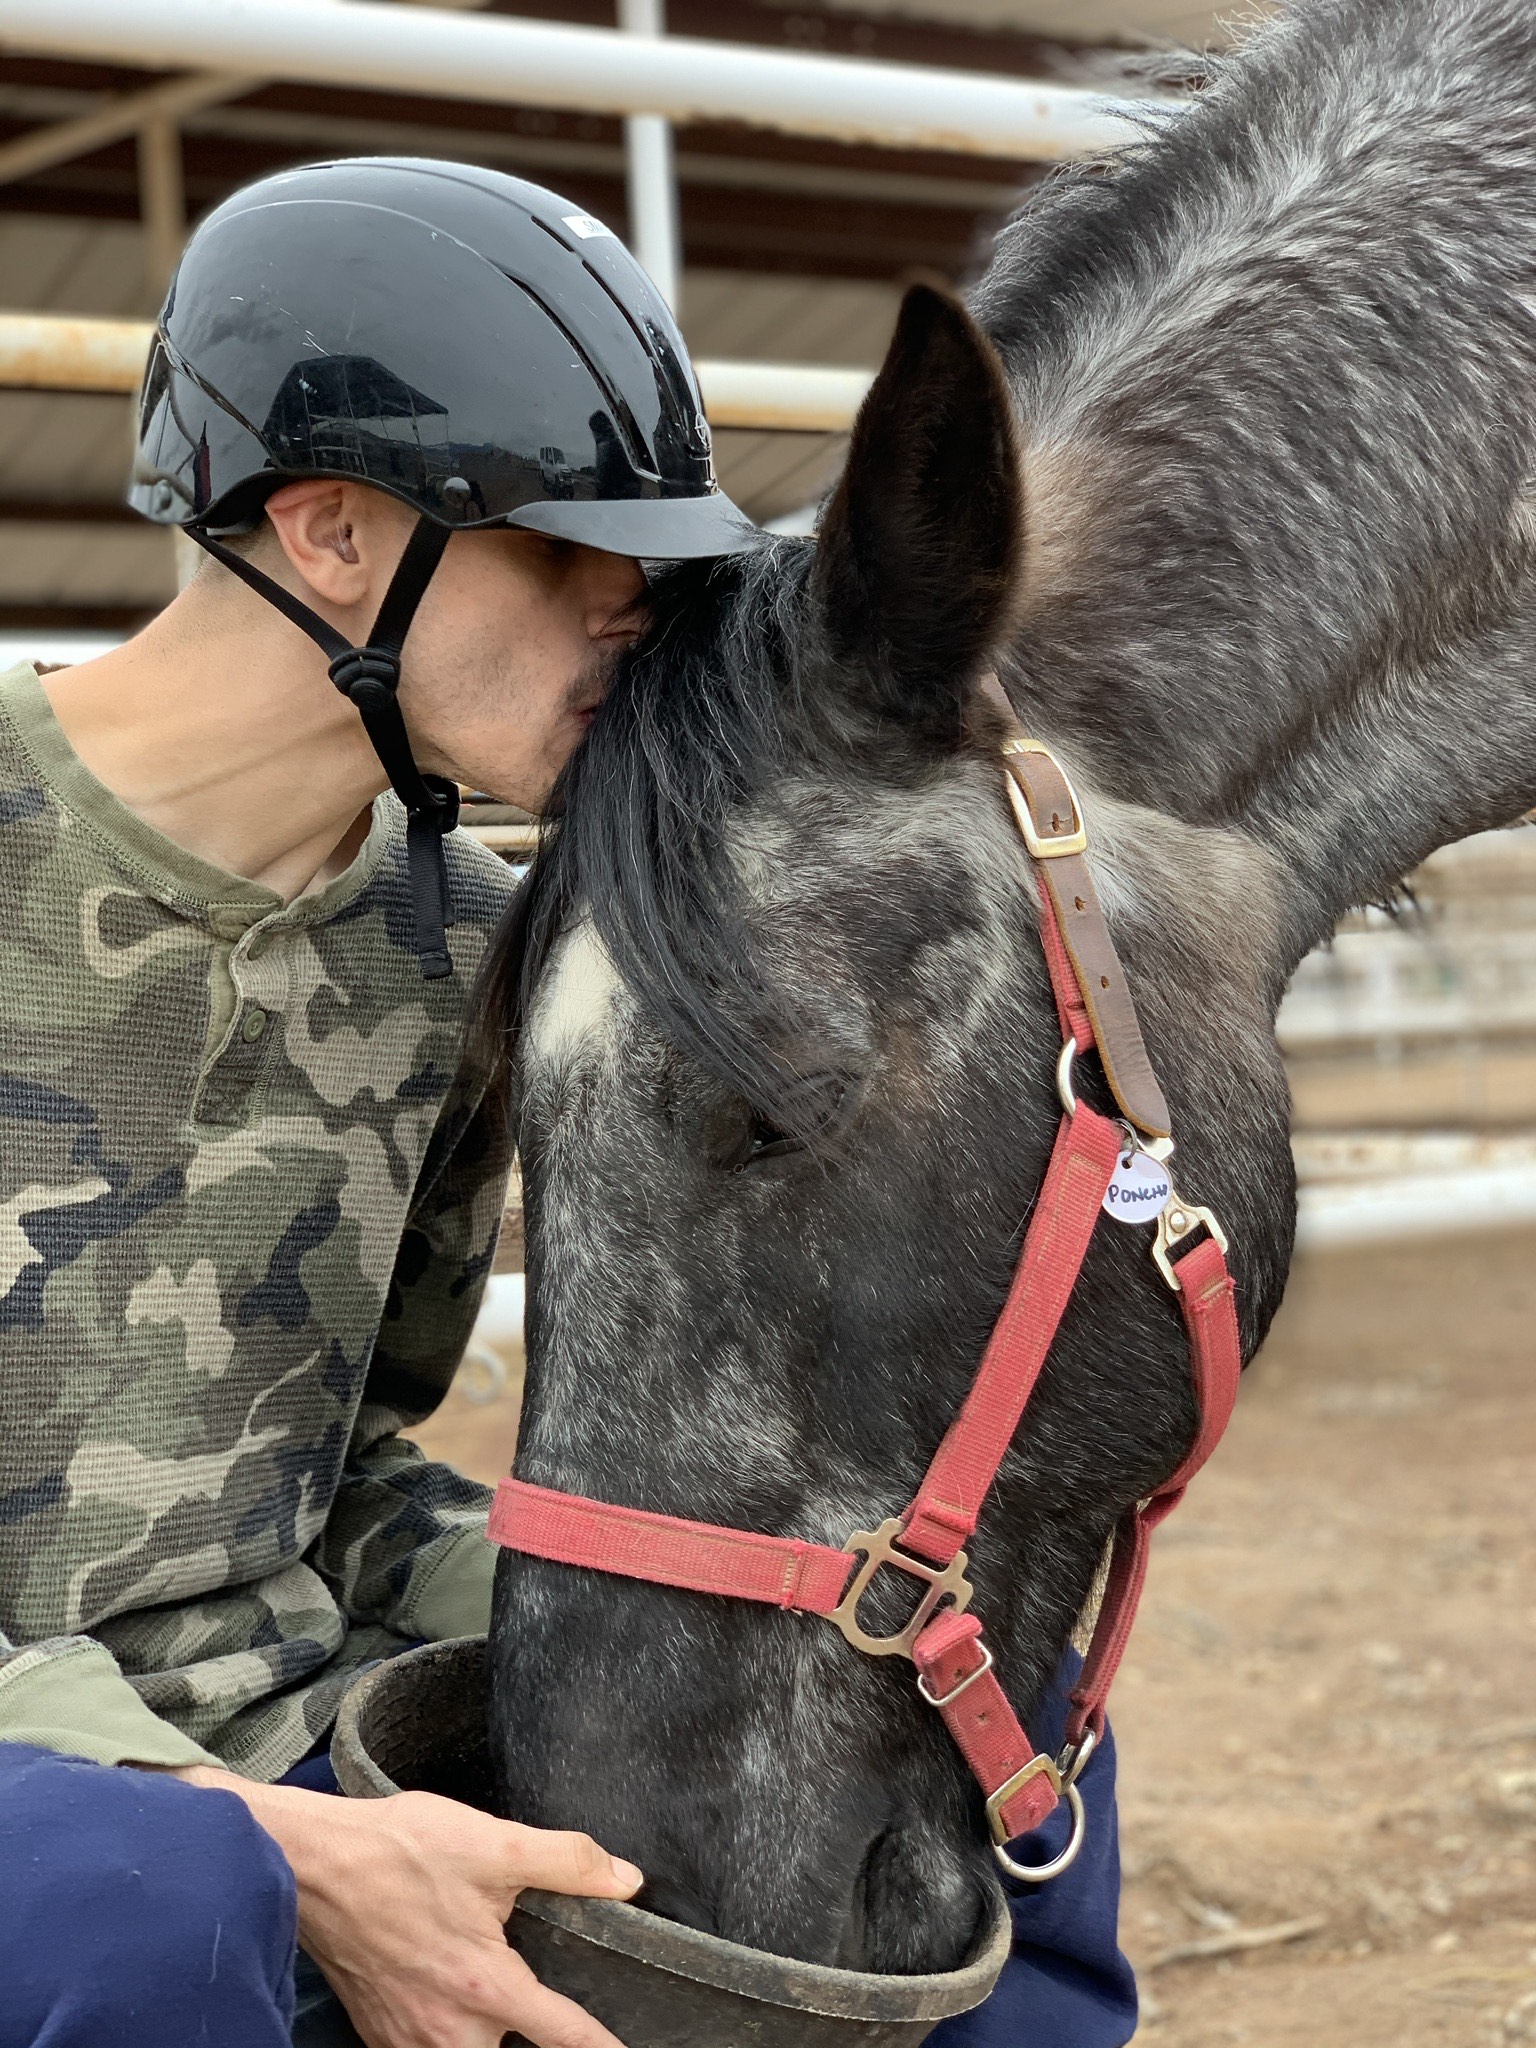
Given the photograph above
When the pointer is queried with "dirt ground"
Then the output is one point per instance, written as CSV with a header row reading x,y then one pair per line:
x,y
1328,1714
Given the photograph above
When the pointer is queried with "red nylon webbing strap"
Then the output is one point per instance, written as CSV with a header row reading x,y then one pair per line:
x,y
697,1556
958,1679
1206,1295
949,1500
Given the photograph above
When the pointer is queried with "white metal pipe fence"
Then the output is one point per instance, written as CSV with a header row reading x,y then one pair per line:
x,y
496,58
653,222
652,81
638,72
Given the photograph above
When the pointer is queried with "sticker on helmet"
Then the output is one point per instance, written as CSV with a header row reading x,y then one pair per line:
x,y
585,226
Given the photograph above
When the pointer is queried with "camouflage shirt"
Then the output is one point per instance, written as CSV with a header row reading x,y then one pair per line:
x,y
247,1206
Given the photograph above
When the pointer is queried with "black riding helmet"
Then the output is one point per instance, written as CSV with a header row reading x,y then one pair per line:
x,y
474,345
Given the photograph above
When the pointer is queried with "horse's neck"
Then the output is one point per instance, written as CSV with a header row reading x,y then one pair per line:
x,y
1397,763
1275,380
1429,752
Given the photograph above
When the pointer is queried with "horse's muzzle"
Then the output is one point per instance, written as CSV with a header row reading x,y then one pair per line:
x,y
419,1723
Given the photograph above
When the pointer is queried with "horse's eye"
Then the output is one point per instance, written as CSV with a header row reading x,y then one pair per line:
x,y
767,1141
736,1135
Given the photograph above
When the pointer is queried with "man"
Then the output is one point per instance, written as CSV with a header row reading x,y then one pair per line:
x,y
250,1192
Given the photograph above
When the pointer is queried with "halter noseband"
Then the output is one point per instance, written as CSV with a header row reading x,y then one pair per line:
x,y
955,1673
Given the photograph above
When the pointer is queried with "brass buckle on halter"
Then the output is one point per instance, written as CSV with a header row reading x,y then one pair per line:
x,y
1064,1788
944,1582
1037,1767
1179,1220
1047,845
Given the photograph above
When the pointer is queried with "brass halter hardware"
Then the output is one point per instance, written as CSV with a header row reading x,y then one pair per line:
x,y
1179,1220
943,1582
1047,845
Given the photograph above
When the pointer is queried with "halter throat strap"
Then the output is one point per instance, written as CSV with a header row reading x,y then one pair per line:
x,y
369,678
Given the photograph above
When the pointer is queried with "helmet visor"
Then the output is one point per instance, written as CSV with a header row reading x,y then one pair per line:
x,y
650,529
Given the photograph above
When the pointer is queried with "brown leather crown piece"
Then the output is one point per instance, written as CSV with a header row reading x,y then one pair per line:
x,y
1056,837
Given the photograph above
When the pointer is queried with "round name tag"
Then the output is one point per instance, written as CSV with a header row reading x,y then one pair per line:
x,y
1140,1190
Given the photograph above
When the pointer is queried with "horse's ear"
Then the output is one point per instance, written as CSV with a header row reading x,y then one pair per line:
x,y
920,542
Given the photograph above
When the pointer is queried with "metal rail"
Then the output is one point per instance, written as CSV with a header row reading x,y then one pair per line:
x,y
499,59
1337,1215
654,229
57,352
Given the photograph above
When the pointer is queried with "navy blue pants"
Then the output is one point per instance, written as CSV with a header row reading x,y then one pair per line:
x,y
1066,1984
146,1913
138,1911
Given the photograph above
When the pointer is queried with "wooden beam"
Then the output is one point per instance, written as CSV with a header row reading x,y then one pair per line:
x,y
47,352
162,203
75,618
61,512
64,140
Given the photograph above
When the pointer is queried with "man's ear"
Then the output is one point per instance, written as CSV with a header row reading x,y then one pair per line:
x,y
921,541
342,538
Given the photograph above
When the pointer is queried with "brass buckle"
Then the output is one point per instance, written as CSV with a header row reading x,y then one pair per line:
x,y
1038,1873
1049,845
1179,1220
1037,1767
944,1582
1062,1776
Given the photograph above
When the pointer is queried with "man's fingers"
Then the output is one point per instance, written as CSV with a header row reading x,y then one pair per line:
x,y
550,2021
554,1860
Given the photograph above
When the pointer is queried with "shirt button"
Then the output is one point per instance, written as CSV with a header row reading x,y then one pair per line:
x,y
254,1025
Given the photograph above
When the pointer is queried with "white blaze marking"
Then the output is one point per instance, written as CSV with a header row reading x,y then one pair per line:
x,y
575,1003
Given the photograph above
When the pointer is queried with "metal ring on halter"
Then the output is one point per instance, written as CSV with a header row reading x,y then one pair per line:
x,y
1074,1757
1037,1873
1064,1088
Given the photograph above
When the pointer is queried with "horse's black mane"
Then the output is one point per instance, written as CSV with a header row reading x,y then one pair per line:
x,y
635,835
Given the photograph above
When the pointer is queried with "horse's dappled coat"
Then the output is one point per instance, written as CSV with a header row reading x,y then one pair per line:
x,y
1242,519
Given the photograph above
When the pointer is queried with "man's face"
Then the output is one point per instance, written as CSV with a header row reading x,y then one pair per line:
x,y
511,654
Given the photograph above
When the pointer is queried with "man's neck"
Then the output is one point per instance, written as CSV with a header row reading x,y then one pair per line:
x,y
219,726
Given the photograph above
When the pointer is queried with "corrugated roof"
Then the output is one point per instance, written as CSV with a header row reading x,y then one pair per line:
x,y
784,320
71,266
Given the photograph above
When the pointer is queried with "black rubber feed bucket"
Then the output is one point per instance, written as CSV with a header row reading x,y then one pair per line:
x,y
417,1723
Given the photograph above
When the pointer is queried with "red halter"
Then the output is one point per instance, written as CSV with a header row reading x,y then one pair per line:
x,y
954,1666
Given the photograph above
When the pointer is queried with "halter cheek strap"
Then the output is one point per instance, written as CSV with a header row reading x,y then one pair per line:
x,y
369,677
955,1670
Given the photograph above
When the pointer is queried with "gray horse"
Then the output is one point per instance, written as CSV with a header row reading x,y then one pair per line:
x,y
1226,472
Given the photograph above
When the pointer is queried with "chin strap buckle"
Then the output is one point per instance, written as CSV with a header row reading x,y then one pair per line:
x,y
367,676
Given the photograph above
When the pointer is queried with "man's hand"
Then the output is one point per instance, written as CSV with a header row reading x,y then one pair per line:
x,y
403,1901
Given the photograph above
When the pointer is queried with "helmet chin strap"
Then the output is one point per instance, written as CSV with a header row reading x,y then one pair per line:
x,y
370,677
